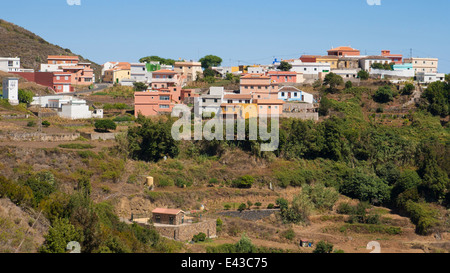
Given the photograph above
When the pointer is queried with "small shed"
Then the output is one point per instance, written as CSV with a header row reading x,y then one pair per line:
x,y
305,243
168,216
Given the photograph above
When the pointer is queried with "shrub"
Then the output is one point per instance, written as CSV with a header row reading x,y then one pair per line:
x,y
270,206
345,208
322,197
348,85
25,96
323,247
165,182
288,234
423,216
244,182
227,206
408,89
76,146
104,125
31,123
383,95
46,123
213,181
201,237
242,207
258,204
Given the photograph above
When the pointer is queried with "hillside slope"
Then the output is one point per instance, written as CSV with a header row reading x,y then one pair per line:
x,y
33,50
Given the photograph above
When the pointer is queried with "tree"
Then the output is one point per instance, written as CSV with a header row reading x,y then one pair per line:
x,y
104,125
363,75
366,187
323,247
152,140
324,107
245,245
157,59
59,235
140,86
208,72
333,80
210,60
408,89
383,94
437,95
284,66
25,96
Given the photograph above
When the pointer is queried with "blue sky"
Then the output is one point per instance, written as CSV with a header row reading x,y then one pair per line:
x,y
240,32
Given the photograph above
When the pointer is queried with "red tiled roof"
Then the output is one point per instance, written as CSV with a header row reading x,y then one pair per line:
x,y
237,96
164,71
343,48
167,211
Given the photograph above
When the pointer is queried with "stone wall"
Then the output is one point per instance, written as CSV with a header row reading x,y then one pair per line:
x,y
185,232
96,136
312,116
39,136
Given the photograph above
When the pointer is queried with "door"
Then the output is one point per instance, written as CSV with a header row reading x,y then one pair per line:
x,y
66,88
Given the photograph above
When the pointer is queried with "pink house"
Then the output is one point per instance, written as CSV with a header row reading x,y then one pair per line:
x,y
152,102
283,76
165,78
259,86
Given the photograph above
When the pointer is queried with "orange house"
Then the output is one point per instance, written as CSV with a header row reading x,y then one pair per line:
x,y
259,86
343,51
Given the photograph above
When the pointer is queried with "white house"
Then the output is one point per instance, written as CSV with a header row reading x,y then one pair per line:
x,y
292,94
222,70
310,68
367,62
138,73
210,102
78,109
10,64
11,90
424,77
347,74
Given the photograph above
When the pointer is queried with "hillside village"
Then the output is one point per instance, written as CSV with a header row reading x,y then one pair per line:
x,y
362,155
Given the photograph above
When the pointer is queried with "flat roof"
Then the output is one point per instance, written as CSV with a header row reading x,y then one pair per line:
x,y
167,211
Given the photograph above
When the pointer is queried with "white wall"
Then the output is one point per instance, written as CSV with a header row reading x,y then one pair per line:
x,y
11,90
5,67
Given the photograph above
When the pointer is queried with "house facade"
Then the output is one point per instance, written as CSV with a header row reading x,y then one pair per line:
x,y
332,60
11,90
367,62
424,65
10,64
188,70
283,76
293,94
343,51
395,58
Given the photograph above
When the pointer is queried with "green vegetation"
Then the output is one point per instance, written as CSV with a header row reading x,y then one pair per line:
x,y
157,59
284,66
76,146
209,61
25,96
104,125
363,75
323,247
383,95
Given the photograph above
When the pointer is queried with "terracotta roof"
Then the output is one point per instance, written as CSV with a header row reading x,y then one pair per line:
x,y
254,76
167,211
268,101
237,96
343,48
282,73
164,71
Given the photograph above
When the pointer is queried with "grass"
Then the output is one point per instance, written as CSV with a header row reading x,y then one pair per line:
x,y
76,146
369,228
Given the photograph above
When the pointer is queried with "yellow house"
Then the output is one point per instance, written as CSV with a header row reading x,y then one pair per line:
x,y
242,110
332,60
120,71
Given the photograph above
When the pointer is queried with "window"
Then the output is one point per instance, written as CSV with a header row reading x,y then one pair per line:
x,y
247,101
252,87
295,94
230,101
282,94
259,87
158,219
215,100
204,100
66,78
164,106
10,63
240,101
164,97
58,78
